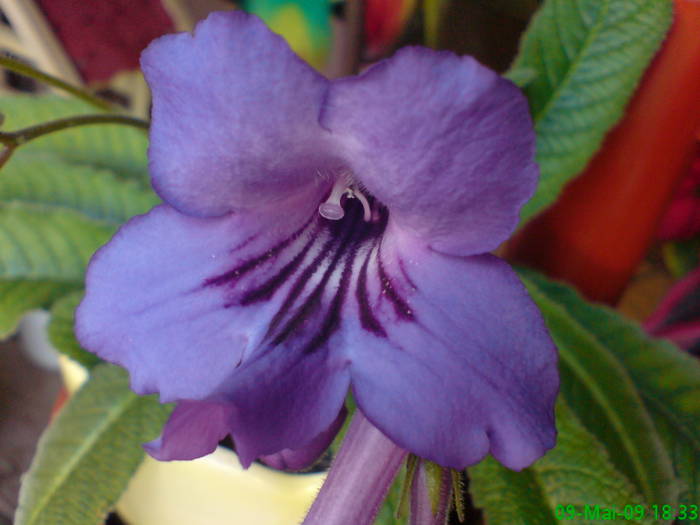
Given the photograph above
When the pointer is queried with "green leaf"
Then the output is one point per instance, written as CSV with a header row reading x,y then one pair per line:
x,y
87,456
667,378
18,297
45,178
61,333
601,393
117,147
589,56
38,243
577,472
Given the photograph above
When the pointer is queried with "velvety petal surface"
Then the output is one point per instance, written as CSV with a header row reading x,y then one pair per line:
x,y
446,144
306,457
224,311
451,358
234,118
193,430
148,306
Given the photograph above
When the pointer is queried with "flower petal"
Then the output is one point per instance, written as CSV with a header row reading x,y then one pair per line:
x,y
460,362
285,399
189,306
193,430
235,117
147,306
306,457
456,171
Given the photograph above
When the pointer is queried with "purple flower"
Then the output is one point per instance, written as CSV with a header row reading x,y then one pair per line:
x,y
323,235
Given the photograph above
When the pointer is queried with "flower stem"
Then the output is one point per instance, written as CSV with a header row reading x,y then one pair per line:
x,y
359,479
28,71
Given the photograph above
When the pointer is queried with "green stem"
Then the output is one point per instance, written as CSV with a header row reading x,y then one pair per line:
x,y
14,139
28,71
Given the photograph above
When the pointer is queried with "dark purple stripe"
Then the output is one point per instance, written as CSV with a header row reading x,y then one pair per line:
x,y
236,273
313,300
301,282
405,275
400,306
269,287
367,318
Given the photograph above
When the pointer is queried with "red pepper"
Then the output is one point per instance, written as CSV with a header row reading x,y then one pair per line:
x,y
602,225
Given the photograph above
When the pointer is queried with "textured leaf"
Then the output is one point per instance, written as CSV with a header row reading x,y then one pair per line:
x,y
44,178
589,55
61,331
603,396
667,378
87,456
577,472
47,244
18,297
118,147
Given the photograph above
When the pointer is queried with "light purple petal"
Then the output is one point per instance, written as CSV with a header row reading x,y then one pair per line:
x,y
304,458
446,144
235,117
284,399
199,309
147,306
193,430
451,358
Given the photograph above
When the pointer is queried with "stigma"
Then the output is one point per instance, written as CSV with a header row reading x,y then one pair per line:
x,y
332,207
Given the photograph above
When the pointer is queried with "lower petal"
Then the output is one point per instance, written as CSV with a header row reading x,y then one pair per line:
x,y
305,457
463,364
193,430
284,399
149,306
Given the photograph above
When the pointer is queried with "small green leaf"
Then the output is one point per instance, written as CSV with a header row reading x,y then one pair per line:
x,y
18,297
117,147
577,472
87,456
38,243
45,178
668,380
589,56
603,396
61,333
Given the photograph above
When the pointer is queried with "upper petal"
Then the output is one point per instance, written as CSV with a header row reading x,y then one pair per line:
x,y
235,117
444,142
457,361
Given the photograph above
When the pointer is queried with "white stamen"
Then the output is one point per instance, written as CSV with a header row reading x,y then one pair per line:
x,y
332,208
365,204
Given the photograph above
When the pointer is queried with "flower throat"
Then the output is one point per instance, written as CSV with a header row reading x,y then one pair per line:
x,y
344,188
